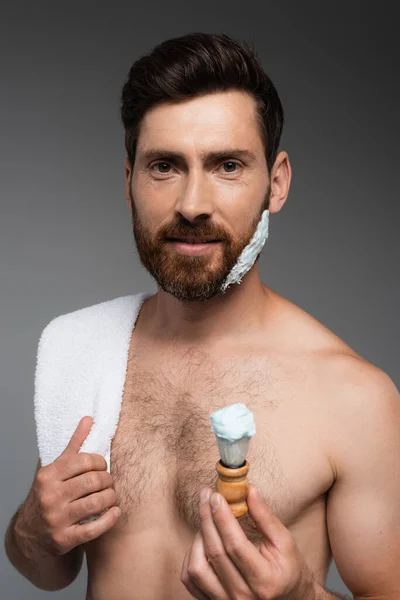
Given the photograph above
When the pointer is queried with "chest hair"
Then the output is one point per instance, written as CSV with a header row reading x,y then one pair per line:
x,y
164,445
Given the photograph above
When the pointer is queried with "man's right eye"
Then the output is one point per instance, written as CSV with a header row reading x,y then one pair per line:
x,y
158,164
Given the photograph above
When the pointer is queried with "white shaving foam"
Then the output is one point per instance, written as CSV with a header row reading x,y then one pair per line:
x,y
233,422
249,254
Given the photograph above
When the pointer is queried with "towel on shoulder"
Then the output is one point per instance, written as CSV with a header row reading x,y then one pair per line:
x,y
80,370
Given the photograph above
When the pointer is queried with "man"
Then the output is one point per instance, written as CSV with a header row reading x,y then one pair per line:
x,y
203,174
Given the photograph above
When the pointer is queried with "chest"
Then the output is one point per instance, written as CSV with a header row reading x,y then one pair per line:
x,y
164,452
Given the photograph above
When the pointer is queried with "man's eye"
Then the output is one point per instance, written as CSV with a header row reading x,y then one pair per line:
x,y
158,164
231,162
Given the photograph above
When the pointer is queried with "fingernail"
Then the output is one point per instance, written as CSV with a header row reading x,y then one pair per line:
x,y
205,495
215,502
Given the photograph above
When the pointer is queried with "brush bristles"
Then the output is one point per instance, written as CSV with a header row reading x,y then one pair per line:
x,y
233,454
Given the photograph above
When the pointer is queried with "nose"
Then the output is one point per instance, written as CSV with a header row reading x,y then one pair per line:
x,y
196,200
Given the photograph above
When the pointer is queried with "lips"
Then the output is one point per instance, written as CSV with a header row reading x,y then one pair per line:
x,y
193,240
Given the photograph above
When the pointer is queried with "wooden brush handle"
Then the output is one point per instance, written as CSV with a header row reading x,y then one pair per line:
x,y
233,486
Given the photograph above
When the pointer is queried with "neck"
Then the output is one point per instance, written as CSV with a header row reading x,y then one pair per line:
x,y
243,308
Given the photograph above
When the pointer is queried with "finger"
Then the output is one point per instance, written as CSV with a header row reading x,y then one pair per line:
x,y
79,435
194,590
266,521
248,561
87,483
72,465
214,549
81,534
201,573
93,504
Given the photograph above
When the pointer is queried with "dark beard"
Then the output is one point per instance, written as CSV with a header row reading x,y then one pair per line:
x,y
189,278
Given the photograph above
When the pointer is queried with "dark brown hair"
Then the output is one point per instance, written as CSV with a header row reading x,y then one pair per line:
x,y
193,65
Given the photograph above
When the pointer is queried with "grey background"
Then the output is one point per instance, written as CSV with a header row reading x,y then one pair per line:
x,y
65,231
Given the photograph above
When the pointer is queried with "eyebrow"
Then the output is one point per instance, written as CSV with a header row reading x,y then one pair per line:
x,y
207,157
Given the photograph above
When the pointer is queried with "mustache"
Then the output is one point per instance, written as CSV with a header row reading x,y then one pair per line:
x,y
182,230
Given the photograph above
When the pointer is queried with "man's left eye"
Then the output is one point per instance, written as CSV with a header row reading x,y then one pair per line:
x,y
231,162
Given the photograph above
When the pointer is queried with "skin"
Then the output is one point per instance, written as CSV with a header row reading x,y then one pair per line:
x,y
326,454
222,563
199,196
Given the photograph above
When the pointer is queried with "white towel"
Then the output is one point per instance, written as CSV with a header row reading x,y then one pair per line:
x,y
80,370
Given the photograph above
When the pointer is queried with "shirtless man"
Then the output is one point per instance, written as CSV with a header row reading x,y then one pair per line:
x,y
326,455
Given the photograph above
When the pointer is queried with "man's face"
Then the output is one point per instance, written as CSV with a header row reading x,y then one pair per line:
x,y
195,196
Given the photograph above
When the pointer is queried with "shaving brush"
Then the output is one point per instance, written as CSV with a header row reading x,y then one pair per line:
x,y
233,427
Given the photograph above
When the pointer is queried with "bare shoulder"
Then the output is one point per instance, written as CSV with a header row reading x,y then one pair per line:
x,y
358,400
299,331
348,379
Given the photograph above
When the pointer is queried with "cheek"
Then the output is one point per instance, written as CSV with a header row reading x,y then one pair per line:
x,y
153,205
149,209
240,205
153,216
238,219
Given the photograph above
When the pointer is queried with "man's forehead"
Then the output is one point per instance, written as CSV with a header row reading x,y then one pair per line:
x,y
212,119
207,107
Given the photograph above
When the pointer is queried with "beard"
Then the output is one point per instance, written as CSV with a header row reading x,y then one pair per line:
x,y
190,278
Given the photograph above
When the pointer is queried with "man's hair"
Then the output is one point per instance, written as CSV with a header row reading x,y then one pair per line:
x,y
194,65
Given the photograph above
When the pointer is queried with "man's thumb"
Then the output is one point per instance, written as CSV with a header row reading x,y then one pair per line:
x,y
79,435
264,518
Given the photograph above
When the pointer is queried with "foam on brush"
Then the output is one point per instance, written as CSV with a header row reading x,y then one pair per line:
x,y
233,427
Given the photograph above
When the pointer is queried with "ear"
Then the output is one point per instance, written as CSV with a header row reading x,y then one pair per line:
x,y
128,170
281,176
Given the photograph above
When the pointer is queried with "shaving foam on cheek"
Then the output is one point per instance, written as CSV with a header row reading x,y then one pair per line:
x,y
249,254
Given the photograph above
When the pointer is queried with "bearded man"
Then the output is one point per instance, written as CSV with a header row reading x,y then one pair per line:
x,y
203,174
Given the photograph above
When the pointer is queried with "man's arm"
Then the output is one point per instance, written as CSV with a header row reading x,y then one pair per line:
x,y
45,572
363,509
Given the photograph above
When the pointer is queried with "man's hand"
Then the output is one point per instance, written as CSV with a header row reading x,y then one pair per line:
x,y
223,564
69,490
